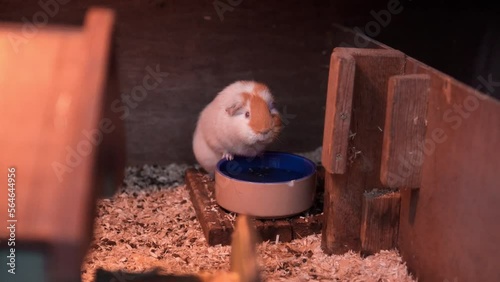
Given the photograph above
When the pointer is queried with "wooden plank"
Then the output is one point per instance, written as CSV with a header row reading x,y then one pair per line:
x,y
305,226
216,228
274,230
404,131
338,112
24,144
51,150
379,221
344,192
449,227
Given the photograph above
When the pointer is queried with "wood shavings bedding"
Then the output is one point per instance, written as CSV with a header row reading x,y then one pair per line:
x,y
152,224
141,229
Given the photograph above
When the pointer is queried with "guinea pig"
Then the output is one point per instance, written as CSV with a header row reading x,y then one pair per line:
x,y
241,120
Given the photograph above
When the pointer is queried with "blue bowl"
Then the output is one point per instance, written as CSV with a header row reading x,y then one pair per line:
x,y
271,167
273,185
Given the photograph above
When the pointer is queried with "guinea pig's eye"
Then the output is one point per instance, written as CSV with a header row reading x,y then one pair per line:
x,y
247,114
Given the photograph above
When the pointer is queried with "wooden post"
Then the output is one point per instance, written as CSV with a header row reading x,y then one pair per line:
x,y
379,222
344,192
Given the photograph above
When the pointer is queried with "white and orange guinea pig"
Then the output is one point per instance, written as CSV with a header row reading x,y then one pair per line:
x,y
241,120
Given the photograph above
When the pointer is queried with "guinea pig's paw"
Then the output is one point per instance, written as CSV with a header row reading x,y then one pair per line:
x,y
227,156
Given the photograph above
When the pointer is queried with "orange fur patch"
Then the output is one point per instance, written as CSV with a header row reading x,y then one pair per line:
x,y
260,117
259,87
246,97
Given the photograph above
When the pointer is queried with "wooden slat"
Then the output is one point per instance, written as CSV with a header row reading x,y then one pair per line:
x,y
272,230
39,141
216,228
303,227
379,221
338,112
344,192
404,131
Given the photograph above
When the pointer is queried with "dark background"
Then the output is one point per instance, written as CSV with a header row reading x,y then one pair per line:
x,y
286,44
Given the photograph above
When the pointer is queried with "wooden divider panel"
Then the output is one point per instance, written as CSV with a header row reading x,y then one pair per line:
x,y
449,228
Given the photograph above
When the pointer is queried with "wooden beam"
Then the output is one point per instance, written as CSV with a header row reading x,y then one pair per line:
x,y
404,131
379,221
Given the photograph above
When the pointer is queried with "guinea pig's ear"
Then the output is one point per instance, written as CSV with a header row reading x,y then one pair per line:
x,y
273,108
233,109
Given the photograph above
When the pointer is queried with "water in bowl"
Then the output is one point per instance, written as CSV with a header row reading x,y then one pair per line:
x,y
268,174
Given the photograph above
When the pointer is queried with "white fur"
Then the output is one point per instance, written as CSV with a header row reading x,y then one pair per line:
x,y
219,134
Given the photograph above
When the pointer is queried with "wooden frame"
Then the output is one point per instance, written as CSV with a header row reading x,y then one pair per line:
x,y
444,134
